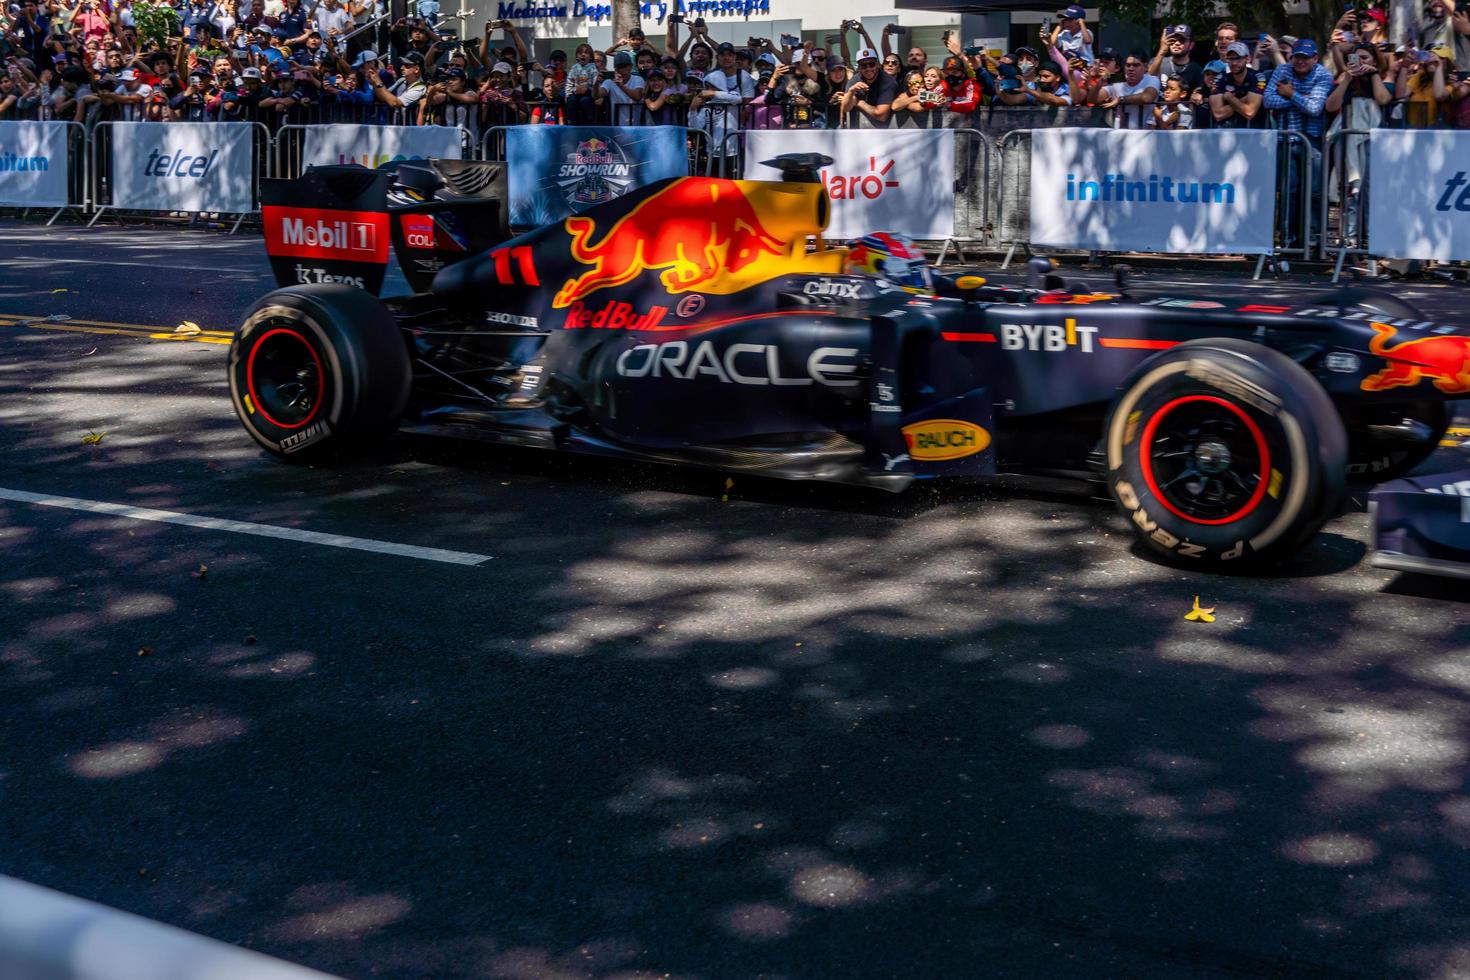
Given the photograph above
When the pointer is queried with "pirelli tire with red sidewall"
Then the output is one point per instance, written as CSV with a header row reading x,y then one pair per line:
x,y
319,370
1223,452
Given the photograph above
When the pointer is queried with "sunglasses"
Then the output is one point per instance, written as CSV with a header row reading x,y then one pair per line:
x,y
892,61
819,57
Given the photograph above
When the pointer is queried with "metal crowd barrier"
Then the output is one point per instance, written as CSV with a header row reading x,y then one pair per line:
x,y
289,144
103,183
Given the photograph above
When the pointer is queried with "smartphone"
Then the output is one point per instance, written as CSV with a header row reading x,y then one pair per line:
x,y
790,40
1349,37
1046,24
973,50
1262,39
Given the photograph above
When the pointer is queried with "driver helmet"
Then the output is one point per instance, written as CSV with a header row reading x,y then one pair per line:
x,y
892,257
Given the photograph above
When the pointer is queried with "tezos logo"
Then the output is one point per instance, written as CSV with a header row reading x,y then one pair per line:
x,y
305,275
870,185
939,439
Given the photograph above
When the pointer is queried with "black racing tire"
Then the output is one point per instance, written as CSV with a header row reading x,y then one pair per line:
x,y
319,371
1223,453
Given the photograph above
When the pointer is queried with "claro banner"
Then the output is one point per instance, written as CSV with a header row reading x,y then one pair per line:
x,y
373,146
897,180
33,164
182,167
559,171
1419,207
1138,191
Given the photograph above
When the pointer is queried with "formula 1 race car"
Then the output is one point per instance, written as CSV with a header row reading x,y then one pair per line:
x,y
706,322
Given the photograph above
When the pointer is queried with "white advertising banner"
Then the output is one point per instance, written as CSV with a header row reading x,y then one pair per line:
x,y
898,180
33,164
182,167
1419,204
373,146
1211,191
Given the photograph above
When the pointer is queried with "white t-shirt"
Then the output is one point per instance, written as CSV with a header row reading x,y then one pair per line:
x,y
617,96
1072,45
328,19
131,111
1132,116
1186,114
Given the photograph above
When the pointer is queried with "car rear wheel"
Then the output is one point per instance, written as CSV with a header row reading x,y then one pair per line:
x,y
318,370
1225,453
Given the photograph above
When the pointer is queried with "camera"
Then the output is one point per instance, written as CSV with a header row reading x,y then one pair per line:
x,y
675,19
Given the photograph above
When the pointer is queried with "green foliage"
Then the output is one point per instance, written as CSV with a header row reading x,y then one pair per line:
x,y
156,22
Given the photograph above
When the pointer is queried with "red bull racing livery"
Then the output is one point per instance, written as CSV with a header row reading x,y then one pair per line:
x,y
706,322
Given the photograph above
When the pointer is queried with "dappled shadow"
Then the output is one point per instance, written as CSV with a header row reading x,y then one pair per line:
x,y
801,730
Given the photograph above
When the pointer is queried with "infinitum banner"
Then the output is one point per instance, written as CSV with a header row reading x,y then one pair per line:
x,y
33,168
1211,191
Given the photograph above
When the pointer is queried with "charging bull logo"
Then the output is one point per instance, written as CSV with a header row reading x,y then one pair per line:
x,y
695,230
1443,360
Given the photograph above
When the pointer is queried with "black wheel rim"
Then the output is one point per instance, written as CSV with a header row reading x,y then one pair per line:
x,y
284,377
1206,460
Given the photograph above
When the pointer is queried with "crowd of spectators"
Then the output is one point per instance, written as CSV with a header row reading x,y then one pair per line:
x,y
280,61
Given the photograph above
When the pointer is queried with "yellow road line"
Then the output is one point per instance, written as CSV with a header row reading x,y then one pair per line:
x,y
150,332
1457,431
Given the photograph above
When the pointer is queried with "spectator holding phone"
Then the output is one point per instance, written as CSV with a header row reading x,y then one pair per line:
x,y
1070,36
1453,93
1419,74
1178,44
868,101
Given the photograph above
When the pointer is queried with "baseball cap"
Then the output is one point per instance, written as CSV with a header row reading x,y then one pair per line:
x,y
1008,84
251,73
1073,12
835,61
413,58
1110,54
725,46
621,60
127,75
953,61
258,29
283,73
1218,67
1377,15
766,59
1287,40
453,72
500,67
1179,30
1306,47
1027,50
558,55
865,54
1443,51
363,57
281,33
1238,50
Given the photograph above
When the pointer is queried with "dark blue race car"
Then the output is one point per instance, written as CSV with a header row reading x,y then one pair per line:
x,y
706,322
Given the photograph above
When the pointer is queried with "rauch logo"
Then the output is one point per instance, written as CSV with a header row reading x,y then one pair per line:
x,y
11,163
1154,189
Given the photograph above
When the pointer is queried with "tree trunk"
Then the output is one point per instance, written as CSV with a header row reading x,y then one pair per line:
x,y
625,16
1403,21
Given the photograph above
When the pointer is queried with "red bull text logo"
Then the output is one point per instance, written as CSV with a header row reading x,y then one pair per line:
x,y
613,316
1443,360
695,230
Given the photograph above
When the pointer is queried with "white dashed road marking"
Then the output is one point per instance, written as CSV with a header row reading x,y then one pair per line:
x,y
245,527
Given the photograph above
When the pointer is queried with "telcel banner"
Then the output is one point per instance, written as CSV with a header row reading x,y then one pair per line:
x,y
558,171
182,167
897,180
373,146
1419,206
33,164
1137,191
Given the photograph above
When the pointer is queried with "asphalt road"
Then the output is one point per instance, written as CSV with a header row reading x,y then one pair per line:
x,y
674,728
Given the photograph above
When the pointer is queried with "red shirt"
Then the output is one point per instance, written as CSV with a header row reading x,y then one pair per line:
x,y
964,96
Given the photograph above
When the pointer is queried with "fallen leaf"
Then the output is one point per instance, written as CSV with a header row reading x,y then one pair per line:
x,y
145,652
188,328
55,291
90,352
1198,615
93,438
725,497
201,573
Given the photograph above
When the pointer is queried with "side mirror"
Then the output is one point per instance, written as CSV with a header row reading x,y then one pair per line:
x,y
967,286
1038,269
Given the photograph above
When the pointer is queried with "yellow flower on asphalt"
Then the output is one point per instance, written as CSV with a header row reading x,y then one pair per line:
x,y
1198,615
